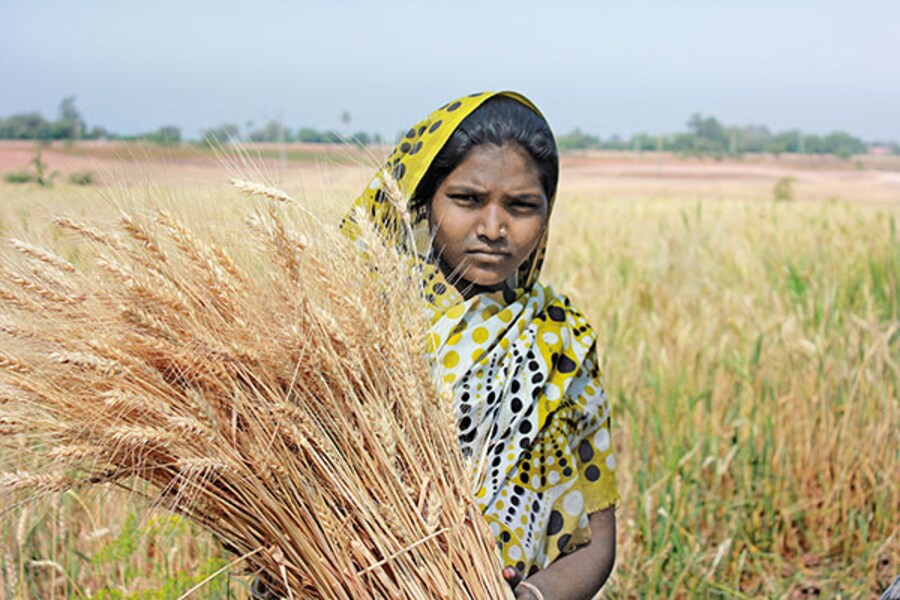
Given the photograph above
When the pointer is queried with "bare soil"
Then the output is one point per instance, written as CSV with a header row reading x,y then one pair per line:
x,y
604,175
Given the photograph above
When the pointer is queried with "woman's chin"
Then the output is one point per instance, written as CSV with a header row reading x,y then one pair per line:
x,y
485,281
477,279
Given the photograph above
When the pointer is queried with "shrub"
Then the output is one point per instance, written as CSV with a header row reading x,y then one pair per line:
x,y
18,177
783,190
82,178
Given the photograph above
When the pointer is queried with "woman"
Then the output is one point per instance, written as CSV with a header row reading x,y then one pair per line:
x,y
481,173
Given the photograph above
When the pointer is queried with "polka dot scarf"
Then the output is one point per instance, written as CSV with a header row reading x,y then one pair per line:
x,y
532,413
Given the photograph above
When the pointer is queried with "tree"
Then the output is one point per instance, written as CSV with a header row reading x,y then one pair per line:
x,y
26,126
754,138
98,133
361,138
710,136
221,134
309,136
644,142
168,135
70,125
843,144
273,131
786,141
576,140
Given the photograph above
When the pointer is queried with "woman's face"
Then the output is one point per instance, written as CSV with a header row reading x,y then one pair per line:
x,y
488,216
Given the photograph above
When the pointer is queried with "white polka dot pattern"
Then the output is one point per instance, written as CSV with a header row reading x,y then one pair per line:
x,y
529,401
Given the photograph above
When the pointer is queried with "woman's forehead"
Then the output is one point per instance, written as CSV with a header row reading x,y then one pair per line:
x,y
488,166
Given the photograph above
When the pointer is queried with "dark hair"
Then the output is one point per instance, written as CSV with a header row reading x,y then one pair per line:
x,y
500,120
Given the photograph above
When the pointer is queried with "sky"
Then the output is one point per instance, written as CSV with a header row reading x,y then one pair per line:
x,y
608,67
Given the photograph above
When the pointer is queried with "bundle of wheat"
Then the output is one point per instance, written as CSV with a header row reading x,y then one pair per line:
x,y
282,401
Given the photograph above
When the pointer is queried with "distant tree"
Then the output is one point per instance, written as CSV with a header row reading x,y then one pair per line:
x,y
33,125
709,136
221,134
785,141
26,126
754,138
644,142
273,131
707,128
309,136
98,133
684,143
332,137
843,144
615,142
69,125
360,138
576,140
814,144
168,135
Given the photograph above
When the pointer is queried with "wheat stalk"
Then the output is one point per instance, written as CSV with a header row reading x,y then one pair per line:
x,y
282,408
251,188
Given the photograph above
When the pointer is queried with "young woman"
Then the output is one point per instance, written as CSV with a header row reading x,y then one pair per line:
x,y
481,174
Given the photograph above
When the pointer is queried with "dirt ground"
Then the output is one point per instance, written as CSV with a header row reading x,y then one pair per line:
x,y
601,175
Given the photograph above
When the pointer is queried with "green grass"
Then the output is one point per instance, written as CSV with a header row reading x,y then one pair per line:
x,y
752,351
105,546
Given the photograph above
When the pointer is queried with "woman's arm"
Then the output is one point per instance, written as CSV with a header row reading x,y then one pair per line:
x,y
581,574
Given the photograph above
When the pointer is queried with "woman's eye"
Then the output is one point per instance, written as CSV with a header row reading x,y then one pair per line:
x,y
465,198
525,206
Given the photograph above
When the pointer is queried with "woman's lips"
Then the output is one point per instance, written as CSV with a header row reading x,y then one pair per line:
x,y
487,256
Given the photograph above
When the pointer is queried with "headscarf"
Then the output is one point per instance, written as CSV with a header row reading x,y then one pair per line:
x,y
532,413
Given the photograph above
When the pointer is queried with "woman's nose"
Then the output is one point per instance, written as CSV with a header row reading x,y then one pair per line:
x,y
492,224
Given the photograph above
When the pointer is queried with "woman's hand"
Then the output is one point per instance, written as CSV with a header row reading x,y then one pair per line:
x,y
522,589
575,576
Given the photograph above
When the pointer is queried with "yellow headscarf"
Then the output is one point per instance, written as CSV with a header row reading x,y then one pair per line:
x,y
523,366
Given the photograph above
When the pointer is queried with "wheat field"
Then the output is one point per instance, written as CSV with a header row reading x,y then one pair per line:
x,y
750,349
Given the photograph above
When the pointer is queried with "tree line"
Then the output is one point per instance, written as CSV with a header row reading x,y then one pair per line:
x,y
705,136
69,125
275,131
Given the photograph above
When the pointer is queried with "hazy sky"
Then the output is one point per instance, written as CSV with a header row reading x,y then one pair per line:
x,y
608,67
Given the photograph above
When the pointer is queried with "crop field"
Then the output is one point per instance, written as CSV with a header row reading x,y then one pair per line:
x,y
748,316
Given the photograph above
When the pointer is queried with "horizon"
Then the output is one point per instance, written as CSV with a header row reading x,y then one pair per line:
x,y
196,134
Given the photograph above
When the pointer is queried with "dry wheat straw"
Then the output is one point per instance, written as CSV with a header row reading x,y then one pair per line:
x,y
43,255
288,409
251,188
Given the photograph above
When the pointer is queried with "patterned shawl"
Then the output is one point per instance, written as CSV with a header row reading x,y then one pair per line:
x,y
523,367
